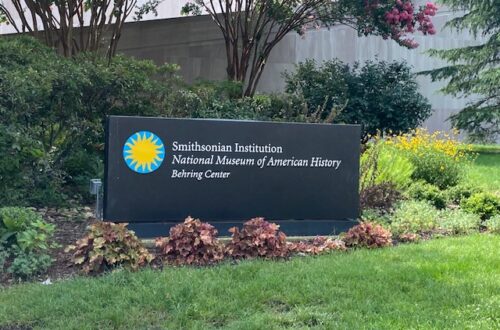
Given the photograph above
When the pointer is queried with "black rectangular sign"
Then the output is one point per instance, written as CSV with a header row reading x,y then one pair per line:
x,y
304,177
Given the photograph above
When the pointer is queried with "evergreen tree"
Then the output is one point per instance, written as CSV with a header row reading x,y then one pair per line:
x,y
474,71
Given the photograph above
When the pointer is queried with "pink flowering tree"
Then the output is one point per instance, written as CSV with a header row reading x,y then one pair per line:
x,y
252,28
403,20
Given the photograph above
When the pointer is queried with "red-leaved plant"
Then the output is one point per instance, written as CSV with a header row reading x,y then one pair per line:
x,y
317,245
368,235
191,243
258,238
108,245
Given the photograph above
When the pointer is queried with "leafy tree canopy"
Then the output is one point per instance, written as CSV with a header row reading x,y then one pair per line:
x,y
252,28
60,23
474,71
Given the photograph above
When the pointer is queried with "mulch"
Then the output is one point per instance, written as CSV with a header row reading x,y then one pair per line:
x,y
71,225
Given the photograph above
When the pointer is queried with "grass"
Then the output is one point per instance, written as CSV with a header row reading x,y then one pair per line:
x,y
451,283
486,148
485,172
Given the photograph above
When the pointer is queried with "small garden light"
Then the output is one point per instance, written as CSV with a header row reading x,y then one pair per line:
x,y
95,189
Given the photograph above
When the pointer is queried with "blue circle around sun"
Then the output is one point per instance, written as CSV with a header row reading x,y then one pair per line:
x,y
143,152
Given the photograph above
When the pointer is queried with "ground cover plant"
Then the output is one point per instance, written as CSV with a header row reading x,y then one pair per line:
x,y
107,246
423,191
449,283
485,204
414,217
368,235
458,222
25,241
257,238
493,224
190,243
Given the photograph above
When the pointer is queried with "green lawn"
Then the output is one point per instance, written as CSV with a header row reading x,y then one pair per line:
x,y
451,283
485,172
489,148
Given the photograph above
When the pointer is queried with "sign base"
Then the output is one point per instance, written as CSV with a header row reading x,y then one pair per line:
x,y
289,227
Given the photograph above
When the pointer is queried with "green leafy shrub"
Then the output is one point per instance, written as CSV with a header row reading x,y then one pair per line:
x,y
26,175
26,263
381,96
484,204
108,245
36,237
493,224
28,241
258,238
456,194
380,196
217,100
458,222
317,245
423,191
14,220
25,228
52,114
414,217
191,243
437,169
369,235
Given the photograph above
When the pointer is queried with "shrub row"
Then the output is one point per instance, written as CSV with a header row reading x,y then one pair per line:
x,y
421,217
193,242
26,239
108,245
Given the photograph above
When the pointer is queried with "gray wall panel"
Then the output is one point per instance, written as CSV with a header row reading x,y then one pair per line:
x,y
196,45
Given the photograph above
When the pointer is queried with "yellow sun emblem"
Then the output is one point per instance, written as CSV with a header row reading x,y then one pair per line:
x,y
143,152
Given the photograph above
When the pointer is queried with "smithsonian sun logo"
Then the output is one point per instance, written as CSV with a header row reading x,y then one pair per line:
x,y
143,152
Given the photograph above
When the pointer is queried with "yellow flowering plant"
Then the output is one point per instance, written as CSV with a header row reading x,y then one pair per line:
x,y
421,141
438,158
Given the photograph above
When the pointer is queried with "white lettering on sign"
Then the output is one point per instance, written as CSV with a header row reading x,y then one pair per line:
x,y
192,174
290,162
219,147
210,158
320,162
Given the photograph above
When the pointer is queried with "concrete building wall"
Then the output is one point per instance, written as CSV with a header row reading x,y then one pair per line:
x,y
195,43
